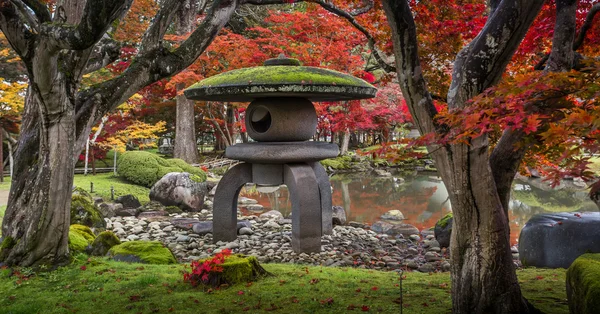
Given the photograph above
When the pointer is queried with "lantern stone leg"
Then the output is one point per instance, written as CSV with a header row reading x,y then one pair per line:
x,y
302,183
325,192
225,204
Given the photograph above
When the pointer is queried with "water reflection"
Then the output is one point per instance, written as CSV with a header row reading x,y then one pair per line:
x,y
423,199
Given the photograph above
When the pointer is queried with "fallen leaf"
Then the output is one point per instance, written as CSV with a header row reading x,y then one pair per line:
x,y
83,267
240,292
374,288
365,308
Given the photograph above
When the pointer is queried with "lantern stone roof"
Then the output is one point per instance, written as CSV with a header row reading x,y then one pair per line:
x,y
281,77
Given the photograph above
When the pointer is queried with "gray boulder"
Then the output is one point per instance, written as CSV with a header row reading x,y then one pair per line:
x,y
393,214
128,201
203,227
556,240
108,210
178,189
272,214
406,230
338,216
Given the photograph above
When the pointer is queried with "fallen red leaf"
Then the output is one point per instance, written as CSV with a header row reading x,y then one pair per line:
x,y
240,292
374,288
83,267
365,308
358,290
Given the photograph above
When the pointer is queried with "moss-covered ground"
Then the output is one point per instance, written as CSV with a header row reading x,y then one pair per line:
x,y
98,285
103,182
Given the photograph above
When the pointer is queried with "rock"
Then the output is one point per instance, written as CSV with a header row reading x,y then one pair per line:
x,y
128,201
83,212
356,224
406,230
426,268
153,214
150,252
108,210
432,257
583,288
446,266
103,243
243,223
272,214
246,201
179,189
127,212
255,208
556,240
443,230
381,226
338,216
382,173
184,223
271,224
203,227
415,237
152,206
393,214
80,237
245,231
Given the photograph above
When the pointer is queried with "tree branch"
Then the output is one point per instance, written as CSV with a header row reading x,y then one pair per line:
x,y
106,52
368,5
561,56
17,34
482,63
410,75
97,17
39,9
586,26
341,13
153,37
31,20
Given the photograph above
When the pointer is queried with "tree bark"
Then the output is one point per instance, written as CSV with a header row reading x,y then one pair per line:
x,y
345,142
483,274
1,155
185,129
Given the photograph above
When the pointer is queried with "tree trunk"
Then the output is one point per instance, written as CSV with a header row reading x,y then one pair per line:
x,y
185,132
1,155
38,214
345,142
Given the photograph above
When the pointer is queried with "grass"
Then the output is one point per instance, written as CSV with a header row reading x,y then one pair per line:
x,y
104,286
104,181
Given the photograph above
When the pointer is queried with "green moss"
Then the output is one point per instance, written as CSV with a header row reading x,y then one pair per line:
x,y
84,213
150,252
173,210
241,269
583,278
281,75
444,221
84,231
145,168
77,242
78,191
8,243
103,243
338,163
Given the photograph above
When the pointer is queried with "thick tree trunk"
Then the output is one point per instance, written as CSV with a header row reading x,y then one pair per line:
x,y
1,155
345,142
185,132
38,213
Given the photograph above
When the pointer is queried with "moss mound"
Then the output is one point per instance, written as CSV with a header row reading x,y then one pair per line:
x,y
80,237
583,284
146,168
149,252
85,231
338,163
77,191
237,269
103,243
84,213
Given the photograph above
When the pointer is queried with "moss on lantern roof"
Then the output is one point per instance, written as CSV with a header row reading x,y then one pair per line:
x,y
246,84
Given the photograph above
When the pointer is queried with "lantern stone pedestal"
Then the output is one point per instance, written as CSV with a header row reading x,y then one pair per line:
x,y
282,119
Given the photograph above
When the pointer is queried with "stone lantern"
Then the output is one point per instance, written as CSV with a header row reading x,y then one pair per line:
x,y
281,119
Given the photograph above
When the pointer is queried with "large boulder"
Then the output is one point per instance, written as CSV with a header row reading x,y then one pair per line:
x,y
583,284
443,230
406,230
179,189
556,240
145,168
128,201
393,214
149,252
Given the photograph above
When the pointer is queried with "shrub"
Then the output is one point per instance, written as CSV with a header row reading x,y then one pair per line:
x,y
583,284
144,168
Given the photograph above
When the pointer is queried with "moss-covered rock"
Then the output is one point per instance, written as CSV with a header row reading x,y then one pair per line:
x,y
583,284
103,243
237,269
149,252
443,230
80,237
83,193
84,213
338,163
173,210
85,231
145,168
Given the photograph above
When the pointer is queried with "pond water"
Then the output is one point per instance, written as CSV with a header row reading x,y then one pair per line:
x,y
423,198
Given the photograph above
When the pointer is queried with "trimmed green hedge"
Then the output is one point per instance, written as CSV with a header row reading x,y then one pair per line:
x,y
583,284
144,168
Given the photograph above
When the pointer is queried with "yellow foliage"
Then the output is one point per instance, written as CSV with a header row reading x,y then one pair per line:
x,y
12,97
143,133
